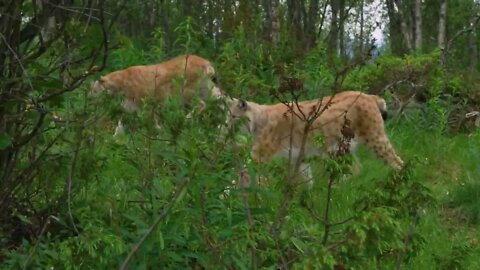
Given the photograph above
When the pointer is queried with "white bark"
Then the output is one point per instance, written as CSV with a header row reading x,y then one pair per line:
x,y
418,25
407,35
442,24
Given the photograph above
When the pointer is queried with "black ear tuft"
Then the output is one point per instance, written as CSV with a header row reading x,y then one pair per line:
x,y
214,79
384,115
242,104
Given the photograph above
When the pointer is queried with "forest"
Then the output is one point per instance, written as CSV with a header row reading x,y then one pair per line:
x,y
178,187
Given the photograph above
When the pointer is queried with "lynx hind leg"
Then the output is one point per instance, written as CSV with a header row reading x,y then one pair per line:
x,y
130,105
381,146
306,172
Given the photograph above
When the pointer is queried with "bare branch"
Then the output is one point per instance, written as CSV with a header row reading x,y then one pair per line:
x,y
465,30
18,59
44,228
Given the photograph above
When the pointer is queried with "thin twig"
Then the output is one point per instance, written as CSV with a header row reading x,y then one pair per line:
x,y
73,10
44,228
157,221
327,211
73,165
19,61
448,45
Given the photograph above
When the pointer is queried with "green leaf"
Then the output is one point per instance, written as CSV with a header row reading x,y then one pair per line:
x,y
5,141
160,238
298,244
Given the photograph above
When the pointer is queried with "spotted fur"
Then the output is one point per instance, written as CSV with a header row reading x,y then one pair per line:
x,y
278,129
188,75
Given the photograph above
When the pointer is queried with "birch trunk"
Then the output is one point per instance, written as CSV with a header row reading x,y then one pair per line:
x,y
418,25
407,35
442,24
472,49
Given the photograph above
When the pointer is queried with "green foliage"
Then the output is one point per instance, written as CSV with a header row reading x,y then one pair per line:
x,y
420,70
85,198
245,69
466,198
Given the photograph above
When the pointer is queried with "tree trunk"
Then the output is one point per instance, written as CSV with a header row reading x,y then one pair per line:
x,y
322,19
275,21
295,11
310,33
442,24
362,25
333,43
228,19
341,27
271,26
418,25
395,33
407,35
472,50
267,23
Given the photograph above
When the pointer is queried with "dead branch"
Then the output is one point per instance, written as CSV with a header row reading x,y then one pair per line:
x,y
449,43
44,228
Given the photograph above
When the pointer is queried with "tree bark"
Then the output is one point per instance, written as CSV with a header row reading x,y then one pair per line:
x,y
310,33
341,27
472,50
442,24
333,43
271,27
395,33
407,35
418,25
362,25
295,11
275,21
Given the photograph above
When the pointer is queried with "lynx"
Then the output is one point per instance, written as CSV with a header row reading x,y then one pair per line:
x,y
279,129
186,75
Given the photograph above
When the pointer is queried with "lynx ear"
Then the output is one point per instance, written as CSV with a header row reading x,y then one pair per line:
x,y
242,104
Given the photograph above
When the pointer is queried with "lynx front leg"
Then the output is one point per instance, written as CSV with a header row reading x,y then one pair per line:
x,y
130,105
384,150
120,129
305,171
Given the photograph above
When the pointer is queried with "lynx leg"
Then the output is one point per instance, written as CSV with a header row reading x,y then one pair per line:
x,y
130,105
120,129
306,172
384,150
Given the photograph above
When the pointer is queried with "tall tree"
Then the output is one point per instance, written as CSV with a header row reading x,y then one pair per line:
x,y
441,24
275,18
333,40
271,27
296,9
311,21
394,29
362,25
341,27
418,25
472,51
406,31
